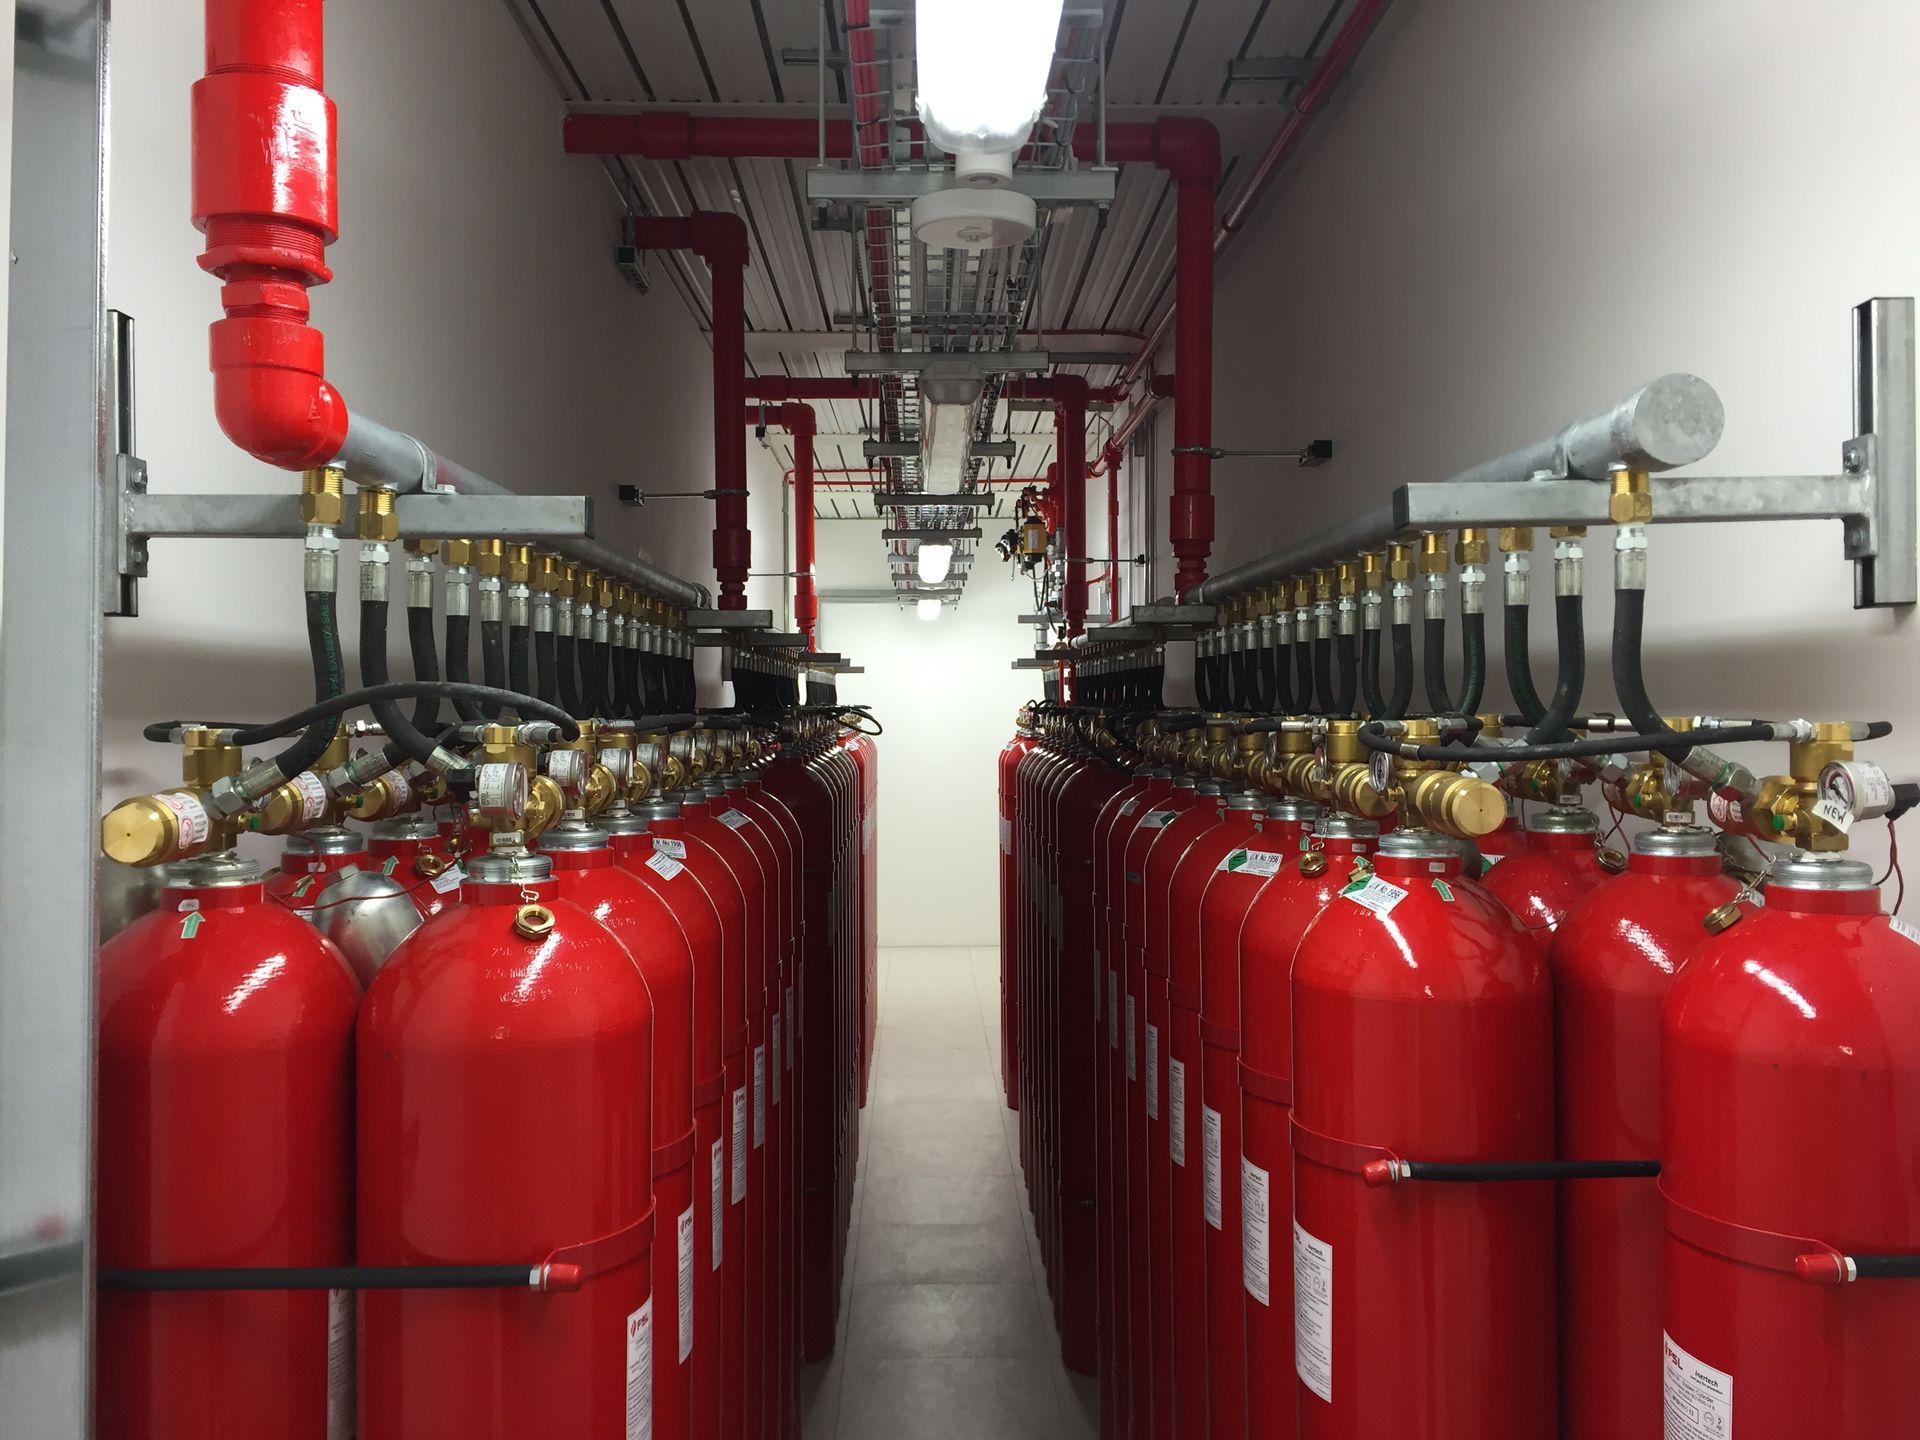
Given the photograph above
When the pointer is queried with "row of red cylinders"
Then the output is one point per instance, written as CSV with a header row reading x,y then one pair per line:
x,y
1260,1012
650,1091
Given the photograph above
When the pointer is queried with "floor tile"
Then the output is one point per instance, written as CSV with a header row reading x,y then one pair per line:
x,y
941,1200
947,1254
955,1399
967,1117
904,1150
935,1321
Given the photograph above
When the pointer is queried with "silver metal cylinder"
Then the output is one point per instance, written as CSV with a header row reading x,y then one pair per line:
x,y
543,612
563,618
1630,558
460,590
1346,616
419,582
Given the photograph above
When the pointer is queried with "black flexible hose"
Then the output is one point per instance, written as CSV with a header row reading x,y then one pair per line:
x,y
1473,652
1570,628
261,733
1373,737
1483,1172
1268,670
1348,665
593,676
1302,675
1402,695
566,654
1203,682
1370,674
1285,701
459,660
1526,699
546,670
1237,680
373,674
1323,696
1433,658
623,703
493,661
323,646
327,1277
519,643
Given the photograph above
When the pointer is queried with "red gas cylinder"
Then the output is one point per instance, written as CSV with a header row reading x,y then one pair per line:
x,y
585,869
308,863
1791,1172
1613,960
226,1029
505,1114
1560,866
1233,847
1238,879
1256,1193
1122,808
409,848
1163,858
1509,839
1422,1037
1010,756
662,865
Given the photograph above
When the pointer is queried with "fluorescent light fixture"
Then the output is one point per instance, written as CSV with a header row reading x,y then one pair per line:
x,y
983,71
929,607
935,560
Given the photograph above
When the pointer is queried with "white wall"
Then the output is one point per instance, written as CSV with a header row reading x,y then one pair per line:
x,y
1517,211
475,304
947,694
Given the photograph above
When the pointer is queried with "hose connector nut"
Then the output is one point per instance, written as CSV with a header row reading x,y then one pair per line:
x,y
1470,546
1373,570
423,548
1631,500
533,922
546,572
1433,553
460,552
519,564
379,522
322,491
1515,539
493,557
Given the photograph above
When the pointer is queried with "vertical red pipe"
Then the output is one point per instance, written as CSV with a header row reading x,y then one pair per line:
x,y
1191,529
799,421
1112,455
720,239
1070,428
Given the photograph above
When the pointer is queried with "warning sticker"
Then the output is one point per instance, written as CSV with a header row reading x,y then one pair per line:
x,y
450,878
1153,1072
1313,1313
312,791
1253,1230
1210,1161
789,1014
1130,1074
640,1373
664,845
1699,1398
739,1145
1006,837
1375,894
190,816
719,1203
339,1365
733,819
1160,819
1131,806
684,1257
1177,1109
1113,1010
759,1096
663,865
1251,862
776,1059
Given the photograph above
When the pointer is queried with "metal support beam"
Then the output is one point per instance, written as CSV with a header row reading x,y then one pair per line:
x,y
1089,186
925,498
930,534
982,362
1253,69
277,517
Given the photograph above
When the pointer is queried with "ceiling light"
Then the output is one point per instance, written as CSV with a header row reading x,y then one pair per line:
x,y
929,607
983,69
934,562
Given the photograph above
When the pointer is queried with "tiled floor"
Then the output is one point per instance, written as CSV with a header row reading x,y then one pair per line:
x,y
945,1333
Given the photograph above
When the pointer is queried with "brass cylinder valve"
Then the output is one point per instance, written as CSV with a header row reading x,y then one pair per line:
x,y
1346,784
1784,809
170,825
1434,796
303,803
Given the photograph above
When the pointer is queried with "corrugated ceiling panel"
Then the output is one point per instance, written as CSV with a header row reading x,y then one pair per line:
x,y
654,29
1133,306
591,48
1137,193
710,185
1074,231
728,35
1214,35
778,227
1148,33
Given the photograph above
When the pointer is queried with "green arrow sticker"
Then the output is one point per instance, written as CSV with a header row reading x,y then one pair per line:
x,y
1236,859
302,886
392,860
190,926
1443,890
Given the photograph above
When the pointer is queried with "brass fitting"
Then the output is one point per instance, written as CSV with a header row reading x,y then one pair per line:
x,y
172,825
460,552
519,564
289,809
1515,539
322,492
389,795
603,592
1400,562
570,577
493,556
1783,811
1436,797
423,547
1346,578
378,520
1302,593
1373,570
1323,587
1470,546
1347,785
546,572
1631,500
1223,755
1433,552
1291,767
1567,532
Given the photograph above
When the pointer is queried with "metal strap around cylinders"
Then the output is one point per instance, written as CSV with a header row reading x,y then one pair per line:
x,y
1221,1037
1183,997
1267,1087
1344,1155
671,1156
609,1252
1763,1249
710,1091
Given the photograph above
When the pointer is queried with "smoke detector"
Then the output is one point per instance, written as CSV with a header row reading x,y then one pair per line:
x,y
970,219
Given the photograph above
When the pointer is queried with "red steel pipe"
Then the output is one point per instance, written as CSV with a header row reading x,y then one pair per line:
x,y
800,422
1113,455
1069,394
720,239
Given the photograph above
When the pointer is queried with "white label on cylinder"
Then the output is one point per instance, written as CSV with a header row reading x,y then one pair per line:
x,y
1113,1010
776,1059
1130,1071
1375,894
665,845
1177,1110
448,879
339,1365
640,1372
1006,836
789,1014
759,1096
664,865
1251,862
313,795
1698,1398
740,1145
1210,1160
399,787
1313,1313
733,819
685,1257
1253,1229
1153,1072
190,816
719,1245
1903,929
